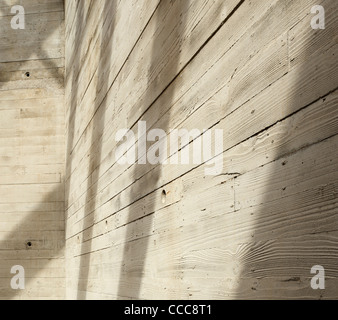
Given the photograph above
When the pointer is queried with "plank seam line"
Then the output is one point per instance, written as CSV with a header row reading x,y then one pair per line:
x,y
327,202
178,74
286,117
183,68
256,134
191,59
114,80
36,13
114,214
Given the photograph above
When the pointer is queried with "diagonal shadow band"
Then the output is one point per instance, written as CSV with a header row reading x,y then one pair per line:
x,y
105,62
31,173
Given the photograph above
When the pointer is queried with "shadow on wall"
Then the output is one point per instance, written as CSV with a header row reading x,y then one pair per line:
x,y
30,48
32,226
135,252
291,203
105,63
291,209
36,244
72,80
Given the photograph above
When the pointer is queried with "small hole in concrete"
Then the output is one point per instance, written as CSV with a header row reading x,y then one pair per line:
x,y
29,244
27,74
164,196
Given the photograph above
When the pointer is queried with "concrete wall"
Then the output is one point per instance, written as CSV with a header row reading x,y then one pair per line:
x,y
32,144
255,69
